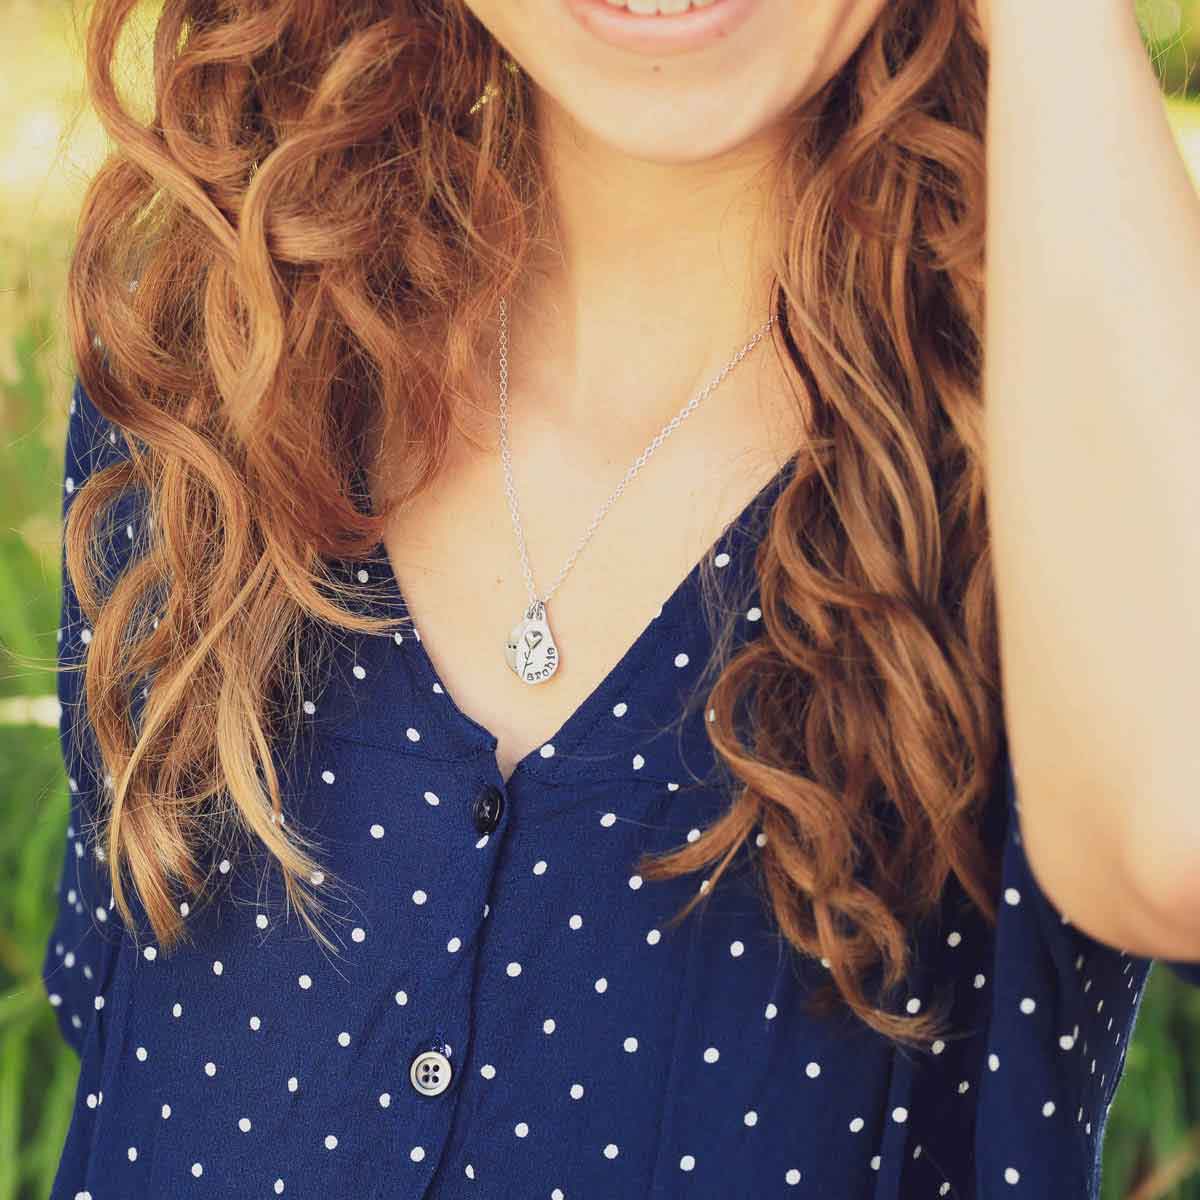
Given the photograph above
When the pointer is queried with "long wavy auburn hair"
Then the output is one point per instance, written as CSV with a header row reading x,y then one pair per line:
x,y
288,265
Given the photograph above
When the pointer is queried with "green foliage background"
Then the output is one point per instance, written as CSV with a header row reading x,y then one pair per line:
x,y
48,146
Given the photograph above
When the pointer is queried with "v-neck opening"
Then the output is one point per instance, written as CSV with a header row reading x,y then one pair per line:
x,y
387,598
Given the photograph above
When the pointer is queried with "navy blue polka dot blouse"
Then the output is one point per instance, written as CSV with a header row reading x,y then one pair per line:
x,y
507,1014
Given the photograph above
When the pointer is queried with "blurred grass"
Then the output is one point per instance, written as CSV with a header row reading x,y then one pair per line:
x,y
48,147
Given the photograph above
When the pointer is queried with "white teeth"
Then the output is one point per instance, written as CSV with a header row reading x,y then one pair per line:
x,y
650,8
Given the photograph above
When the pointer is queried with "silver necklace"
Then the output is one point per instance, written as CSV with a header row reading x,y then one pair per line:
x,y
531,650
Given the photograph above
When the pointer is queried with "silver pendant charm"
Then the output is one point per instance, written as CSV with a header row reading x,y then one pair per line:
x,y
530,650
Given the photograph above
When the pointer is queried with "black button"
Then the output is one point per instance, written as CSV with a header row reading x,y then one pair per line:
x,y
488,806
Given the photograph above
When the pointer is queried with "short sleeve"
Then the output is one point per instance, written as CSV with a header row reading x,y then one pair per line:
x,y
78,954
1069,947
1063,1007
1071,942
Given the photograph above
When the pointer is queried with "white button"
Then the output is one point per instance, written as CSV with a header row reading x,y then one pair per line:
x,y
430,1073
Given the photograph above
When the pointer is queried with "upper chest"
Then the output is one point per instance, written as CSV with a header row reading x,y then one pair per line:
x,y
455,555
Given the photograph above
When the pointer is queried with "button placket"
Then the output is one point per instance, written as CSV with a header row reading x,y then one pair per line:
x,y
431,1071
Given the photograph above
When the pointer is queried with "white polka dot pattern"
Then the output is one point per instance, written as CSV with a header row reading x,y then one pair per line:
x,y
587,1047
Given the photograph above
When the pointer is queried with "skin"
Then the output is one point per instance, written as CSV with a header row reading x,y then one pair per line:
x,y
660,278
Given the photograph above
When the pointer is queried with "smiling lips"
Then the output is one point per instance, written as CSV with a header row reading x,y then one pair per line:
x,y
661,27
652,8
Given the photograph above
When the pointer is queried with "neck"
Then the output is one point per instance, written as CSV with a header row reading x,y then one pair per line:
x,y
654,276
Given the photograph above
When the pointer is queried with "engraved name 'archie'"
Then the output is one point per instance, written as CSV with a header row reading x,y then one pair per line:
x,y
551,662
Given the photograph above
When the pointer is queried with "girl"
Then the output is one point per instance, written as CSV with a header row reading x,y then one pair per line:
x,y
402,865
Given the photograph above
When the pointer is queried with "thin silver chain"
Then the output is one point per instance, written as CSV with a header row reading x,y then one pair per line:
x,y
658,439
